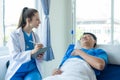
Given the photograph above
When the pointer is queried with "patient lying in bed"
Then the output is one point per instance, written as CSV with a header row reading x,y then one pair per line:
x,y
81,64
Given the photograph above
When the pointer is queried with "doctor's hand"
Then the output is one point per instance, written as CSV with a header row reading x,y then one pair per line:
x,y
40,56
36,48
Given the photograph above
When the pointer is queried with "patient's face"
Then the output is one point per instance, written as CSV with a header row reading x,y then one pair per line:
x,y
87,39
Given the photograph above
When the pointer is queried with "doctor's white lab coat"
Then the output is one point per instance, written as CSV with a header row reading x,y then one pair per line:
x,y
18,55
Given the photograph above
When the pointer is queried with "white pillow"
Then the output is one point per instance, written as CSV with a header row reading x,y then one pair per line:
x,y
77,45
113,52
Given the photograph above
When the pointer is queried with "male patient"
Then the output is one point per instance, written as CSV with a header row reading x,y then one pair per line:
x,y
82,64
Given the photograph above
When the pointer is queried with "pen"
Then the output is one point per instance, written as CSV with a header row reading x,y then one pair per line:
x,y
33,42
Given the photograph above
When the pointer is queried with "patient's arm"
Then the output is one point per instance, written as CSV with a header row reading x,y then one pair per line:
x,y
95,62
56,72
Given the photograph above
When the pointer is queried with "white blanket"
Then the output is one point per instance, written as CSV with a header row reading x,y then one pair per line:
x,y
74,69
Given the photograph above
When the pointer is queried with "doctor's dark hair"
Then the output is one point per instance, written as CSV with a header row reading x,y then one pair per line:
x,y
26,13
94,37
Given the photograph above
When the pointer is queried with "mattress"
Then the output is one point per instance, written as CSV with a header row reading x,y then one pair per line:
x,y
111,72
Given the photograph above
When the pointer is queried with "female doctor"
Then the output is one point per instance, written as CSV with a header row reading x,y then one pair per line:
x,y
22,65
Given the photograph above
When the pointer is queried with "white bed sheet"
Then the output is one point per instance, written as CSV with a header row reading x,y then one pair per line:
x,y
74,69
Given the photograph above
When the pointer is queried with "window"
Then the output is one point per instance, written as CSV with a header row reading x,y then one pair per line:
x,y
101,17
10,11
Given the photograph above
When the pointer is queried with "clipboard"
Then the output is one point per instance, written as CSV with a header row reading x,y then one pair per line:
x,y
40,51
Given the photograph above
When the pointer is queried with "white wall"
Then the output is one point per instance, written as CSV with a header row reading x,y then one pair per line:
x,y
61,24
1,21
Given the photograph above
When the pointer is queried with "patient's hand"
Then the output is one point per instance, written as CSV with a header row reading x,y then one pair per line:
x,y
77,52
56,72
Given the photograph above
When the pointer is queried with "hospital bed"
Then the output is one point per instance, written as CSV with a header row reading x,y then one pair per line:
x,y
112,70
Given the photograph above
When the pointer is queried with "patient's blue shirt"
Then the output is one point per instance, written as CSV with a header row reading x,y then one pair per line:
x,y
93,51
